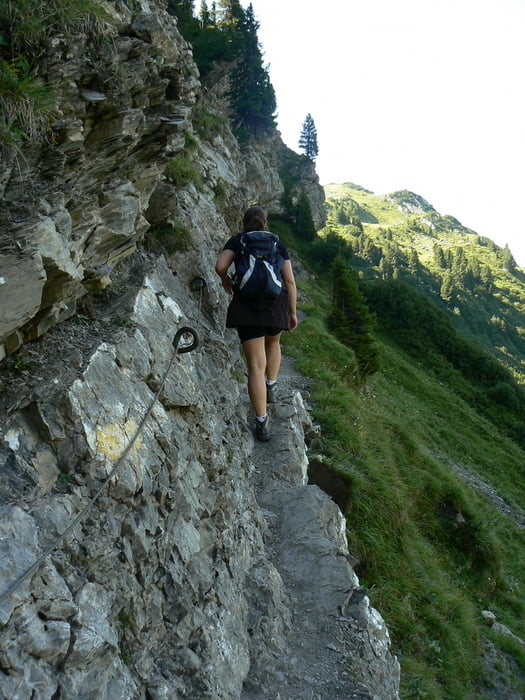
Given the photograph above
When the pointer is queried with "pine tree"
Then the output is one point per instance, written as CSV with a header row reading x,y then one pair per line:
x,y
447,291
186,22
231,15
251,93
350,318
204,14
413,262
439,256
308,138
507,259
304,224
182,9
486,279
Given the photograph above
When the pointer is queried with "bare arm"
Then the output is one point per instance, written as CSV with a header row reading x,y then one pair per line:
x,y
221,268
289,282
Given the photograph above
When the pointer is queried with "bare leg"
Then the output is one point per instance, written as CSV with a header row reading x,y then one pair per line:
x,y
272,344
254,351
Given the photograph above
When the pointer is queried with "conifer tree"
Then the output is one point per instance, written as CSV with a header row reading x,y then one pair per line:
x,y
350,318
231,15
413,262
439,256
308,138
204,14
447,290
486,278
251,93
507,259
304,223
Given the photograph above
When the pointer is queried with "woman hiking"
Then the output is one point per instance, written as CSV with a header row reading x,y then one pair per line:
x,y
259,328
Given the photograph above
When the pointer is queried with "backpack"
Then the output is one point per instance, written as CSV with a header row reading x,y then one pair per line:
x,y
258,277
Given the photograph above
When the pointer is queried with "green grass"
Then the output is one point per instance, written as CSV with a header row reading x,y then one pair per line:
x,y
181,170
433,552
29,22
173,237
26,104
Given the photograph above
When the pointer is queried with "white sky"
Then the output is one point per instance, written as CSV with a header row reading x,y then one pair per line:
x,y
424,95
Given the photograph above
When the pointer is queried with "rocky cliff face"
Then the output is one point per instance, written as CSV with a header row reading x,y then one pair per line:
x,y
135,534
126,107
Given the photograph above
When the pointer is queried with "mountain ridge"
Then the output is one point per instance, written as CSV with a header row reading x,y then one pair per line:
x,y
475,281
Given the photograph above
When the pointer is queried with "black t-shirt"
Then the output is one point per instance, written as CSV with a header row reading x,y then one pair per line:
x,y
240,313
234,244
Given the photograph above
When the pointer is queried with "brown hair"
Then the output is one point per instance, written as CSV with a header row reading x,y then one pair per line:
x,y
254,219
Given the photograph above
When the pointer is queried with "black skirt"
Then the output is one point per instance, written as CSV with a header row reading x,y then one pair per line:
x,y
241,313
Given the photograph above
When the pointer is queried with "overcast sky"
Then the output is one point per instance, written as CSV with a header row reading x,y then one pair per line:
x,y
424,95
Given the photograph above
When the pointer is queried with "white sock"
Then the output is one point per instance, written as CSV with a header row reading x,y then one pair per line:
x,y
261,419
271,383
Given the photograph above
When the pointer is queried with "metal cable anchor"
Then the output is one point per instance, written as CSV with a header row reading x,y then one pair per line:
x,y
197,284
178,335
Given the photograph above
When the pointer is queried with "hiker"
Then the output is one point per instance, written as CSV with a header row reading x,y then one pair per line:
x,y
259,325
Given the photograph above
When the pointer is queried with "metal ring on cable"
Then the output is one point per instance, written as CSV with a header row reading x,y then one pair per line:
x,y
197,284
178,335
69,529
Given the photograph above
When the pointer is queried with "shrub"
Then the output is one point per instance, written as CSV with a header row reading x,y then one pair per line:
x,y
172,238
181,171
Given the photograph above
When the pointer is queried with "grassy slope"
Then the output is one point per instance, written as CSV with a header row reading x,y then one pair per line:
x,y
433,551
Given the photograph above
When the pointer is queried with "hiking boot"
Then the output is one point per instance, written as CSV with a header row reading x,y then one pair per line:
x,y
262,429
271,393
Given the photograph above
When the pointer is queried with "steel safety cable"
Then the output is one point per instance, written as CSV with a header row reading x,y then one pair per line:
x,y
69,529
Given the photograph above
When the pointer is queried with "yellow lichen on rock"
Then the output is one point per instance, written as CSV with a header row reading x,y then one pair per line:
x,y
112,439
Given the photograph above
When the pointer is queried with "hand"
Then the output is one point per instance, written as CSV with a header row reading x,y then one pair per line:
x,y
292,320
227,284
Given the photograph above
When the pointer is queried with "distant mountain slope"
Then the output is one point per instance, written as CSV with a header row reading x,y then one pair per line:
x,y
401,236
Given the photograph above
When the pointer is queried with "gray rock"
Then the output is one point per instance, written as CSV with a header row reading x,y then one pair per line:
x,y
18,304
47,640
18,551
95,639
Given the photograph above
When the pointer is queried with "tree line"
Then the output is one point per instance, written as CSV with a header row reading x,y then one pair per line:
x,y
225,32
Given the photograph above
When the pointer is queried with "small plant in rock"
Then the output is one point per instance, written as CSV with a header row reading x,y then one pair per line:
x,y
221,194
27,23
126,619
208,124
20,364
181,171
123,322
26,106
172,238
